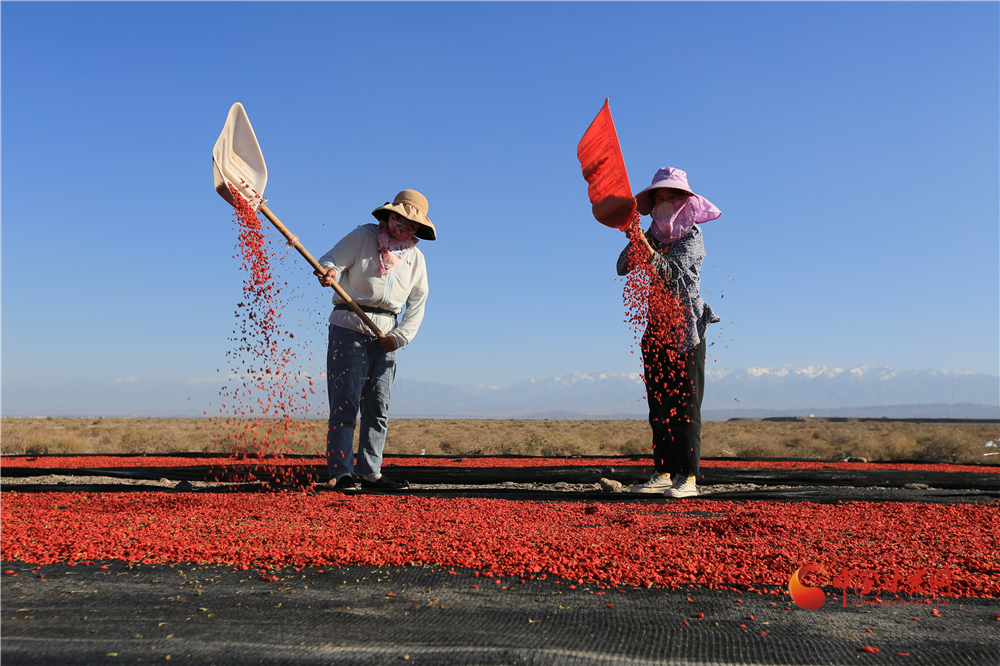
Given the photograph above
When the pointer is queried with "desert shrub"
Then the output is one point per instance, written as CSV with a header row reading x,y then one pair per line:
x,y
747,441
812,438
793,445
563,445
634,446
819,444
590,444
43,445
838,443
36,438
12,444
134,441
894,446
531,442
819,451
36,449
758,449
940,447
450,445
487,445
225,445
882,443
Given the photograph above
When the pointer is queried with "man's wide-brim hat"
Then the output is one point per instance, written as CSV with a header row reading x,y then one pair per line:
x,y
413,206
670,177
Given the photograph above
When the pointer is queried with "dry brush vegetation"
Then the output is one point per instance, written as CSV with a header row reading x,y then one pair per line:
x,y
808,438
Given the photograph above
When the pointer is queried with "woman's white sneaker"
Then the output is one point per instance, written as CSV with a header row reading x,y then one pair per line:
x,y
682,487
658,483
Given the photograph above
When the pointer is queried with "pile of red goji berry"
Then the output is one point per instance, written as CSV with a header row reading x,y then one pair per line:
x,y
747,546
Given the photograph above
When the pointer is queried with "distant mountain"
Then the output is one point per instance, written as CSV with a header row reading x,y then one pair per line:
x,y
959,412
865,391
122,398
832,388
581,393
862,391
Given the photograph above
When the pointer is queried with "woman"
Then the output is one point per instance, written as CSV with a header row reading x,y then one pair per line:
x,y
381,269
673,344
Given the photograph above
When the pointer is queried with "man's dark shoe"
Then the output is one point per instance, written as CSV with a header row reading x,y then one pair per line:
x,y
346,483
383,483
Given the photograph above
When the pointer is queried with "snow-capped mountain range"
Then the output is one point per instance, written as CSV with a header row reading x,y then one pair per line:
x,y
767,389
860,391
826,387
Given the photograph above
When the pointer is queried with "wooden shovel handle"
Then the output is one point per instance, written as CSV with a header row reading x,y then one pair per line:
x,y
315,264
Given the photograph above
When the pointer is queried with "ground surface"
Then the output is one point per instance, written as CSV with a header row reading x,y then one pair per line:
x,y
213,614
376,615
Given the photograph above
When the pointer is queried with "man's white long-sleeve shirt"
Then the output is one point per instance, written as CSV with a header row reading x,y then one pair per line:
x,y
356,260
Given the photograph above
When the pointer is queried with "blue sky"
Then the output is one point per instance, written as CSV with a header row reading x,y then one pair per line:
x,y
852,148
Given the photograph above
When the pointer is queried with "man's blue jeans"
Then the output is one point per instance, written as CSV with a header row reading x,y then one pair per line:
x,y
358,376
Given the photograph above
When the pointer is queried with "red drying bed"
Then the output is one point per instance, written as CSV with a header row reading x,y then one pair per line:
x,y
129,462
112,462
730,545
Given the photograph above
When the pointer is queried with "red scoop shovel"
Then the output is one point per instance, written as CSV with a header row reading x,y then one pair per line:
x,y
604,169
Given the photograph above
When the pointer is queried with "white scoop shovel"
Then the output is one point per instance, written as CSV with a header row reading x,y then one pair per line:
x,y
237,160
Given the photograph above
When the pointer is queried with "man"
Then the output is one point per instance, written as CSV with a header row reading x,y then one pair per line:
x,y
381,269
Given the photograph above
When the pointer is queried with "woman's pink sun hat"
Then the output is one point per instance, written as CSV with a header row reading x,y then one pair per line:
x,y
673,219
676,179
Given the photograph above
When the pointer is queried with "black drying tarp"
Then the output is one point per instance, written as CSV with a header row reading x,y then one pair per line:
x,y
828,484
426,615
426,474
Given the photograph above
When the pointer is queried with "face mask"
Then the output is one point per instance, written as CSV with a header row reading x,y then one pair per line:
x,y
392,248
400,229
663,212
670,221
